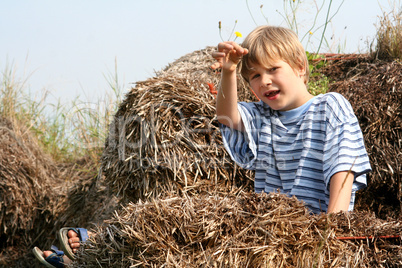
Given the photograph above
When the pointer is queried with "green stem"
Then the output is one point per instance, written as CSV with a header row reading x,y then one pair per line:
x,y
265,17
314,23
251,14
220,30
293,7
234,27
325,27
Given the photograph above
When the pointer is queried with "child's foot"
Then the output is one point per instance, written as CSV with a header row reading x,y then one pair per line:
x,y
53,258
74,240
71,239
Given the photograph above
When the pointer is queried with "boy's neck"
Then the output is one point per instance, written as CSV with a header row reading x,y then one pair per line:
x,y
308,96
303,98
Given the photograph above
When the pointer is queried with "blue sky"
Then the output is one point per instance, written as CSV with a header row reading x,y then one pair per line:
x,y
68,47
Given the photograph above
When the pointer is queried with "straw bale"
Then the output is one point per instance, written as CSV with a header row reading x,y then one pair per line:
x,y
35,188
192,65
165,136
26,182
196,66
87,200
374,89
29,192
238,230
39,195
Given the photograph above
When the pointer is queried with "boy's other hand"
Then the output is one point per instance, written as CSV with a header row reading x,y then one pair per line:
x,y
228,55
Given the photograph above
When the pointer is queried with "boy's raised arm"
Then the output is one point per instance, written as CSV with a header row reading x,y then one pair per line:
x,y
229,54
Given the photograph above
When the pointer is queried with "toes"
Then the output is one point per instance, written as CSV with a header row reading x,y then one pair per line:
x,y
72,234
73,240
75,245
47,253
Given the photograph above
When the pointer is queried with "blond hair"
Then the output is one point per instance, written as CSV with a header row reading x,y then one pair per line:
x,y
267,44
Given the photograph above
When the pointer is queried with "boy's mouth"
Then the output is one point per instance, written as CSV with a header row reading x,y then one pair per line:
x,y
272,94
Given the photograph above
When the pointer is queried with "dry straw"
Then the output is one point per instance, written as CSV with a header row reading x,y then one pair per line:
x,y
165,136
192,228
25,186
389,35
30,192
374,89
164,147
39,195
238,230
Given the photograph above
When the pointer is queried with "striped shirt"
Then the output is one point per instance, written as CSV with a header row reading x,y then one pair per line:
x,y
298,151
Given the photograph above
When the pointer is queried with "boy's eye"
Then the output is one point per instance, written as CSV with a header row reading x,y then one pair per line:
x,y
254,76
273,69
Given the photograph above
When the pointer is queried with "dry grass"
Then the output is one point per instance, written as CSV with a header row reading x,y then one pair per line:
x,y
44,182
196,213
165,137
38,195
374,89
238,230
389,35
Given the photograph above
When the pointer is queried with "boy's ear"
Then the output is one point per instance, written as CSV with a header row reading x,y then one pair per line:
x,y
301,72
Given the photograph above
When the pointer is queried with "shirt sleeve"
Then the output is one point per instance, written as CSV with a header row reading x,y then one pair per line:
x,y
344,147
242,145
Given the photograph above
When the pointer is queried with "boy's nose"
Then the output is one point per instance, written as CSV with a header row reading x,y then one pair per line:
x,y
266,81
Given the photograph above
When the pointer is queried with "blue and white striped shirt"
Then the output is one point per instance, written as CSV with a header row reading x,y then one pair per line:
x,y
298,151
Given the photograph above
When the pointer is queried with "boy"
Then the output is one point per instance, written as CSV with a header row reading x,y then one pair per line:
x,y
306,146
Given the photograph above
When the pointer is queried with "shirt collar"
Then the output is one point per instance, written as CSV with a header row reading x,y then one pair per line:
x,y
295,113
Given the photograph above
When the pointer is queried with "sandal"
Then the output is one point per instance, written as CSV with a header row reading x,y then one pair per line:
x,y
63,238
54,260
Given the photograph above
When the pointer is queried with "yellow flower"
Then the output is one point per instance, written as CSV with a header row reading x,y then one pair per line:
x,y
310,32
238,34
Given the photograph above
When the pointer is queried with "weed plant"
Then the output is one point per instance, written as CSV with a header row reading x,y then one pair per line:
x,y
313,28
318,83
389,34
66,132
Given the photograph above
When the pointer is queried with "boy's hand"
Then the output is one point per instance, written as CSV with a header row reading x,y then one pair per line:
x,y
228,56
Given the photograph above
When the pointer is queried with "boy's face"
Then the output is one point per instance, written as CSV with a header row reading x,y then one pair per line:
x,y
279,86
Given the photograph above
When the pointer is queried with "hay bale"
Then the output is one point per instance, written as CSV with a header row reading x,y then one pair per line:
x,y
36,190
38,195
196,66
87,201
26,185
374,89
165,137
238,230
29,193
